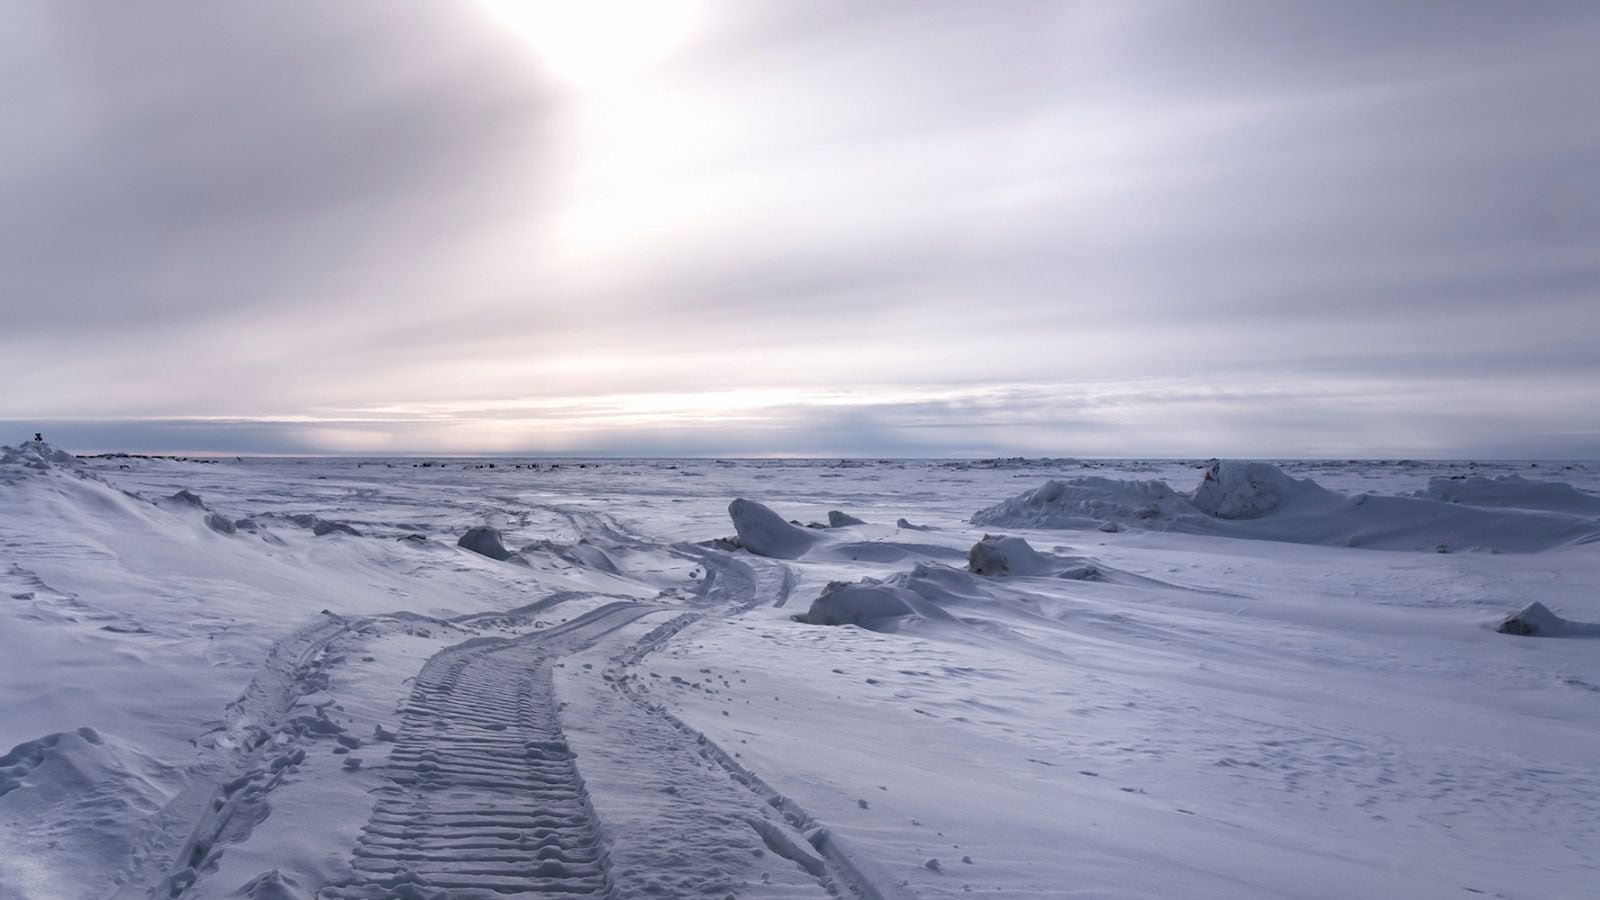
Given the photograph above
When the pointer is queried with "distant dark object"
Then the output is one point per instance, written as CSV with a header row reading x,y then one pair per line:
x,y
323,527
484,541
38,436
838,519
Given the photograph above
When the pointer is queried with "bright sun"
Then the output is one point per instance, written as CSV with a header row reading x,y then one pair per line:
x,y
586,42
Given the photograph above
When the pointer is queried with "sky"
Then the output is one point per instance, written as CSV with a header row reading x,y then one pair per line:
x,y
809,228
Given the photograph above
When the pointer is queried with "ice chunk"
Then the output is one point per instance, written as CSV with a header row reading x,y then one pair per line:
x,y
765,533
484,541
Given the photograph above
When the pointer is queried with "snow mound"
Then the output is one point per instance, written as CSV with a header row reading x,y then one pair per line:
x,y
582,554
1237,489
77,795
185,497
1257,501
999,554
1536,620
908,525
272,885
484,541
323,526
36,455
1085,502
863,603
838,519
1511,492
765,533
943,585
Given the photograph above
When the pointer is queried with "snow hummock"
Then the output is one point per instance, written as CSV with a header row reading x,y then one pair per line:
x,y
1512,492
999,554
1086,502
36,455
484,541
863,603
1258,501
1536,620
101,788
582,554
840,519
188,498
1236,489
765,533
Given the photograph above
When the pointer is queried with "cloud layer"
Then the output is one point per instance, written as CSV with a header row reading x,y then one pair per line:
x,y
905,228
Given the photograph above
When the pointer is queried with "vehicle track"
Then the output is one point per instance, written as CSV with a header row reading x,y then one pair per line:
x,y
483,797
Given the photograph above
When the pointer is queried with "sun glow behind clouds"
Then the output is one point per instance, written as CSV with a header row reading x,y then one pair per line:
x,y
589,42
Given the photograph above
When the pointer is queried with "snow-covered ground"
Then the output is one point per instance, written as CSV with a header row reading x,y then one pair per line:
x,y
283,678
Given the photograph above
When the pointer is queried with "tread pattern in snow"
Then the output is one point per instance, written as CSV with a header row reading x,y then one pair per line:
x,y
484,799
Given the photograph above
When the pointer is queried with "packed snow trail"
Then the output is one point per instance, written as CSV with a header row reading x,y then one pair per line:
x,y
484,798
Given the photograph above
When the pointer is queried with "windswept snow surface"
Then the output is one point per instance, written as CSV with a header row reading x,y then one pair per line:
x,y
283,678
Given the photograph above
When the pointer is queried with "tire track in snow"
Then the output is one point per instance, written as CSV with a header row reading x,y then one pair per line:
x,y
484,798
784,826
743,583
739,582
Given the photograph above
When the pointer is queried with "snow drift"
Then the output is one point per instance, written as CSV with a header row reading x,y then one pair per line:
x,y
581,554
1511,492
1258,501
863,603
104,787
871,604
1536,620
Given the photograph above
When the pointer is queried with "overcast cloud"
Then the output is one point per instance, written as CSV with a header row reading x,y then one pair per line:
x,y
900,228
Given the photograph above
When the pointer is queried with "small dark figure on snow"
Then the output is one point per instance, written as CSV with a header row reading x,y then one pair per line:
x,y
38,436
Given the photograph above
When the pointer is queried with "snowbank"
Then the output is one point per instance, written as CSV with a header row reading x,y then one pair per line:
x,y
1513,492
765,533
839,519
